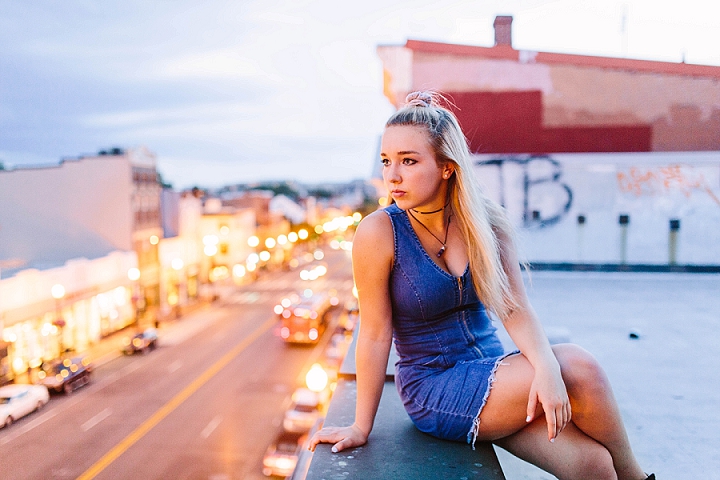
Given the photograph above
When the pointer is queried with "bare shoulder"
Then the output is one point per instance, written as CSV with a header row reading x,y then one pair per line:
x,y
374,238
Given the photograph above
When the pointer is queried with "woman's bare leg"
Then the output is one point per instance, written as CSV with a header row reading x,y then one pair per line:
x,y
594,410
573,455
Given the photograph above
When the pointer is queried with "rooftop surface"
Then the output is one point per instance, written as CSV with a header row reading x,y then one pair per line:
x,y
666,380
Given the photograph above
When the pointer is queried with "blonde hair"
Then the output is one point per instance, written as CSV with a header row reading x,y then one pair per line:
x,y
480,219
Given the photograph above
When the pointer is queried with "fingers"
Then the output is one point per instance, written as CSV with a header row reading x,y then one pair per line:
x,y
328,436
558,419
531,408
551,419
322,436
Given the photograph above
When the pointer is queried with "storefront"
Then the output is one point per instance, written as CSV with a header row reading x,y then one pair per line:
x,y
49,313
72,327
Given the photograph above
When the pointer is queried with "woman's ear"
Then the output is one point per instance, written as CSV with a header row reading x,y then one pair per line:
x,y
447,172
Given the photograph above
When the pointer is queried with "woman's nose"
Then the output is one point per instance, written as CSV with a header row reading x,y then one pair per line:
x,y
392,175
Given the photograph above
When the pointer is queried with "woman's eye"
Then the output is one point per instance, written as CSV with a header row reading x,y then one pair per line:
x,y
385,161
409,161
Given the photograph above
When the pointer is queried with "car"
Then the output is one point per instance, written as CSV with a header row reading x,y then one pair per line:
x,y
305,409
281,456
67,375
18,400
141,342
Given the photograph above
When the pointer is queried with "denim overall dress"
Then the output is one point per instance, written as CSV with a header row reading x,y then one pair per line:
x,y
446,343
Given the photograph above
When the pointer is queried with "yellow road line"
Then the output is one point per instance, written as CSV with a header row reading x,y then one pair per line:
x,y
166,409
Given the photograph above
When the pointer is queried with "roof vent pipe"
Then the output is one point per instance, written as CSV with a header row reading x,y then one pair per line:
x,y
503,30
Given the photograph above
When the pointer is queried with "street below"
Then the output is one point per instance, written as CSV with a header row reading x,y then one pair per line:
x,y
205,404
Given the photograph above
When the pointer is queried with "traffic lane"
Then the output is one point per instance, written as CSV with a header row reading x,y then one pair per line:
x,y
74,434
97,419
225,427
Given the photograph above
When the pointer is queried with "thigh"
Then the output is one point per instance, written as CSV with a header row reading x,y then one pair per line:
x,y
573,455
505,411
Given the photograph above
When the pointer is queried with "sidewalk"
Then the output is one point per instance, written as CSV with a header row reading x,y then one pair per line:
x,y
666,380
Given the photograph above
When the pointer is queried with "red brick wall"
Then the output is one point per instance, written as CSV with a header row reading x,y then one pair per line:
x,y
511,122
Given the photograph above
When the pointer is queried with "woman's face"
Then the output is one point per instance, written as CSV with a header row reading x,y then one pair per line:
x,y
410,171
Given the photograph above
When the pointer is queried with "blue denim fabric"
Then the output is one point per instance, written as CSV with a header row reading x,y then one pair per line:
x,y
446,343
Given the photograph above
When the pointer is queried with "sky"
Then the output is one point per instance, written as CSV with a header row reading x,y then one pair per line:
x,y
241,91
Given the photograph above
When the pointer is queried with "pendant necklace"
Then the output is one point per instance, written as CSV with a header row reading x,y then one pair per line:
x,y
447,229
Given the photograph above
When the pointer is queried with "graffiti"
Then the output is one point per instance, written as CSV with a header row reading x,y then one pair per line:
x,y
531,180
663,180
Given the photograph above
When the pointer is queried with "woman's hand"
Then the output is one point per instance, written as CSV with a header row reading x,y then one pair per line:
x,y
548,390
342,437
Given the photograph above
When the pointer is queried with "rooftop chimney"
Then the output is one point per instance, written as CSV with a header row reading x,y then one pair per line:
x,y
503,30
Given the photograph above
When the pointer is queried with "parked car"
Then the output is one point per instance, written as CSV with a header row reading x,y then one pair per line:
x,y
141,342
306,408
66,375
18,400
281,456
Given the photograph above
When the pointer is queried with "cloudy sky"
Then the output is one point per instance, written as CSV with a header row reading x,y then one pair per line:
x,y
245,90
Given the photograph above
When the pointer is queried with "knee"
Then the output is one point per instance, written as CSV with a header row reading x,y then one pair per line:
x,y
598,465
579,367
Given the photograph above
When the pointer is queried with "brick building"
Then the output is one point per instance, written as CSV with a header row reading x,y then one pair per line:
x,y
599,160
518,101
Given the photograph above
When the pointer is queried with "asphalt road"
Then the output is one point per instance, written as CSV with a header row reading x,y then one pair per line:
x,y
205,404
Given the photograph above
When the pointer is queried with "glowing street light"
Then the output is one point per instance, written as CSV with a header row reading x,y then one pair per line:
x,y
134,274
253,241
316,378
57,291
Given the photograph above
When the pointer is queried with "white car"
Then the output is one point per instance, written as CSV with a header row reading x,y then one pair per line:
x,y
18,400
306,408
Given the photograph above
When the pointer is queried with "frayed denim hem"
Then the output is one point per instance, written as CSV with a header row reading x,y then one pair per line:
x,y
473,433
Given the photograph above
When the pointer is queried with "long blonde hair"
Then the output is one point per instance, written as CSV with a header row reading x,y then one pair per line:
x,y
480,219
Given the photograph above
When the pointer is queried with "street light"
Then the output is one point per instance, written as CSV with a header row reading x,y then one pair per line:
x,y
134,276
316,378
58,292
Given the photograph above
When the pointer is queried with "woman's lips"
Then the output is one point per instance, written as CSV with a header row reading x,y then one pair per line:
x,y
397,193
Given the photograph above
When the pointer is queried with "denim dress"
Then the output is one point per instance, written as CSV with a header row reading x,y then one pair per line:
x,y
446,343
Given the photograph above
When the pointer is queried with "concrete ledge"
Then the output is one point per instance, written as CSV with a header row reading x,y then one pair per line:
x,y
619,267
396,449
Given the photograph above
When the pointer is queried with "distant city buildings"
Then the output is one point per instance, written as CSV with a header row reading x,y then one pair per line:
x,y
597,159
96,244
79,253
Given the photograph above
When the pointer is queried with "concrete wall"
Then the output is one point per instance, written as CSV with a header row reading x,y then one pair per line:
x,y
545,195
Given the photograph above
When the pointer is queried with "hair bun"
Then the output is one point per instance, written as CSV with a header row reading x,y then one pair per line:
x,y
419,99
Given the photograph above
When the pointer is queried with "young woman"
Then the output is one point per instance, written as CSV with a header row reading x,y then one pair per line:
x,y
428,268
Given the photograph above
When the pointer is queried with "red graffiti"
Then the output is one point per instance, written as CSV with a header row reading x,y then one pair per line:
x,y
654,181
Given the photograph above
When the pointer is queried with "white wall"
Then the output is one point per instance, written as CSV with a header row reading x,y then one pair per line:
x,y
652,188
80,208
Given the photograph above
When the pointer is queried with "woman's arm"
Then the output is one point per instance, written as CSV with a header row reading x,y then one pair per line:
x,y
372,255
548,389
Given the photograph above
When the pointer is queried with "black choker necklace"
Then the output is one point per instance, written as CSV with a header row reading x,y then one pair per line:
x,y
447,229
434,211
